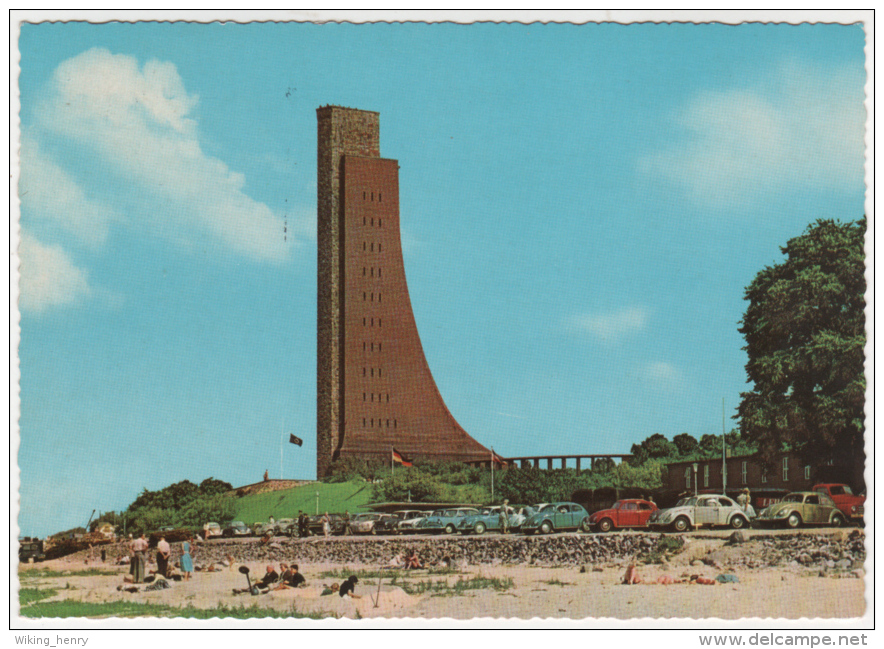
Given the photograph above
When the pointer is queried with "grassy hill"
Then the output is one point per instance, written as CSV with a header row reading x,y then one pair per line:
x,y
333,497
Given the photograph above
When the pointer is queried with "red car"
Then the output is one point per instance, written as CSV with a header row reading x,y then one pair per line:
x,y
851,505
625,513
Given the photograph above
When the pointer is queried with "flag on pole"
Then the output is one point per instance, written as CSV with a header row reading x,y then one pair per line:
x,y
296,440
496,459
398,458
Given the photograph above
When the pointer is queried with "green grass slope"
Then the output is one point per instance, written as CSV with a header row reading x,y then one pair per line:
x,y
333,497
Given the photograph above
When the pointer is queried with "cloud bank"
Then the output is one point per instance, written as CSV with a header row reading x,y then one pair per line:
x,y
48,277
140,121
800,128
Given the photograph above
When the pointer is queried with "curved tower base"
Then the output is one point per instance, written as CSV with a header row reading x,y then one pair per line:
x,y
374,387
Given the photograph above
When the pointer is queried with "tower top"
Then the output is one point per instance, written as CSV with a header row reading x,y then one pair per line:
x,y
332,107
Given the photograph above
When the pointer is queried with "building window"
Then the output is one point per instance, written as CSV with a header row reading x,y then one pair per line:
x,y
687,473
372,221
807,472
706,475
363,422
363,396
372,297
363,371
744,472
363,296
363,246
786,469
372,423
379,247
379,197
388,400
372,371
372,397
372,322
379,222
372,247
379,321
388,423
363,271
379,272
379,346
372,196
379,297
379,370
363,195
394,423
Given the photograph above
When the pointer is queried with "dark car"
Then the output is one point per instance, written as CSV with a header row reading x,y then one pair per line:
x,y
337,525
30,550
236,528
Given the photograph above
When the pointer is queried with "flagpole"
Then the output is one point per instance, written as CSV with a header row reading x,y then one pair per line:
x,y
392,469
492,474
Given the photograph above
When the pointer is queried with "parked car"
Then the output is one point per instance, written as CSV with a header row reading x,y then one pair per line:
x,y
236,528
488,518
803,508
387,524
409,519
30,550
851,505
631,512
446,520
211,529
258,528
555,517
364,523
338,525
694,511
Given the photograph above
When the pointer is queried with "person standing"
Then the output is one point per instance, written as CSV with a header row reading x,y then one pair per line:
x,y
164,552
139,547
187,559
504,519
326,525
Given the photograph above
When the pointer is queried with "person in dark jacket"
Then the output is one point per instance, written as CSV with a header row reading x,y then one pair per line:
x,y
348,587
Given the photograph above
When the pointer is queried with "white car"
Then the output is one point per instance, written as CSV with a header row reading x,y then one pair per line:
x,y
707,509
364,523
410,519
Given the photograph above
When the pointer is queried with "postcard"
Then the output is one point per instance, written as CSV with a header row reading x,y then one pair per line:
x,y
330,323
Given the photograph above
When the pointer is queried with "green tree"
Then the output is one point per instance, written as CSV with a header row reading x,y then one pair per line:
x,y
710,445
686,444
420,485
654,447
805,337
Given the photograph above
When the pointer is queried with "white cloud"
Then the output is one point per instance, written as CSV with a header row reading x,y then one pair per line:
x,y
799,128
140,120
49,194
48,277
611,327
662,373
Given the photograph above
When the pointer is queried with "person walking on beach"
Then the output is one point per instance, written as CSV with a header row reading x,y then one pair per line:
x,y
187,559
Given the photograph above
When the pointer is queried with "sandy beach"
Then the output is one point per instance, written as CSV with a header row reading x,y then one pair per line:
x,y
790,592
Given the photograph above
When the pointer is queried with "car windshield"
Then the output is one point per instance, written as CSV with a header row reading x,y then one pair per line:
x,y
687,502
794,498
486,510
549,508
617,505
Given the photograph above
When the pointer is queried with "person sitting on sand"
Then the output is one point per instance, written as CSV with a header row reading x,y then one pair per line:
x,y
268,536
412,562
396,563
270,578
290,578
631,577
348,588
329,590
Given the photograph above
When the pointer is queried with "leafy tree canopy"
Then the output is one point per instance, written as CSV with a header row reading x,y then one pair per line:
x,y
805,337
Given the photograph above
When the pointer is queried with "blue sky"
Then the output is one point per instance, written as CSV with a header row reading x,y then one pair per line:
x,y
581,207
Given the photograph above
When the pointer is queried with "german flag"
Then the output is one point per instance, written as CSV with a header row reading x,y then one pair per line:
x,y
496,459
398,458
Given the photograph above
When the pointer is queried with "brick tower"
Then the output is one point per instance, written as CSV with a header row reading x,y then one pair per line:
x,y
374,387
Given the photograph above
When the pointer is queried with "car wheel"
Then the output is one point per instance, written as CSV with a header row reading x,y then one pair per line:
x,y
546,527
681,524
793,521
449,529
480,528
605,525
837,520
584,525
737,522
